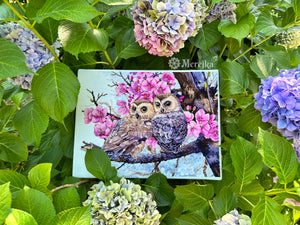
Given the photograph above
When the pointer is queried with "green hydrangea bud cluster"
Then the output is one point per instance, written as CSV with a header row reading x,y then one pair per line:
x,y
290,39
234,218
121,203
222,11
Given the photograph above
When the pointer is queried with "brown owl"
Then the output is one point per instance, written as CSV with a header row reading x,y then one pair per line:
x,y
130,133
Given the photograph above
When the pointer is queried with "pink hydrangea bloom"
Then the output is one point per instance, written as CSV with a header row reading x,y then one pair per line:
x,y
124,108
99,114
151,142
189,116
193,129
121,89
201,117
88,115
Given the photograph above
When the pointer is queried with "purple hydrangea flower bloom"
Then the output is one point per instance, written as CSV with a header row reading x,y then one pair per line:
x,y
278,100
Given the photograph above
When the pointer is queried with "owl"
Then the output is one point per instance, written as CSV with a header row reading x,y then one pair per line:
x,y
130,133
169,125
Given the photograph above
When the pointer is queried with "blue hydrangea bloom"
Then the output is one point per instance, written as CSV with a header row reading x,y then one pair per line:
x,y
37,54
278,100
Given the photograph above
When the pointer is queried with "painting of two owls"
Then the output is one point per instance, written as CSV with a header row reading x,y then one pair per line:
x,y
150,121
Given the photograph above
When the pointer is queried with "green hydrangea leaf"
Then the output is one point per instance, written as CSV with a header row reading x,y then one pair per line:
x,y
7,15
163,192
99,165
17,181
40,175
12,148
127,46
194,196
296,6
78,11
81,38
7,112
279,155
264,66
117,2
267,212
239,30
207,36
251,119
65,199
233,79
56,89
246,161
266,25
224,202
12,60
20,217
5,201
75,216
31,121
37,204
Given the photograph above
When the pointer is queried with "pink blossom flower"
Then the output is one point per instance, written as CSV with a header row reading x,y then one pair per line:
x,y
181,98
194,108
99,114
151,142
214,133
188,107
135,88
205,128
147,96
149,84
88,115
201,117
121,89
102,130
189,116
124,108
193,129
162,88
168,77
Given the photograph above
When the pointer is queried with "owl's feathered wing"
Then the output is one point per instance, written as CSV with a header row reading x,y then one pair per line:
x,y
169,130
127,133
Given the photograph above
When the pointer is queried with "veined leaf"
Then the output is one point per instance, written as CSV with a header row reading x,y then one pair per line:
x,y
37,204
163,192
246,160
224,202
40,175
5,201
233,79
266,25
75,216
12,60
117,2
7,112
31,121
278,154
239,30
78,11
20,217
12,148
17,181
264,66
81,38
65,199
99,165
192,219
267,212
56,90
194,196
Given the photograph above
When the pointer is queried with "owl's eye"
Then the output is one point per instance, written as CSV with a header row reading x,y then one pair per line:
x,y
167,103
133,108
144,109
157,104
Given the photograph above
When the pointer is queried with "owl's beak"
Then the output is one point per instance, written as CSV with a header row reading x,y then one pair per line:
x,y
162,110
137,115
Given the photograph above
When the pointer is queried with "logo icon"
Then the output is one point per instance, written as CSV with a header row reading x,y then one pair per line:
x,y
174,63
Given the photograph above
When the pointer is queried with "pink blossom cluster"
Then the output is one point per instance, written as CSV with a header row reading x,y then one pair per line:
x,y
104,122
201,123
143,85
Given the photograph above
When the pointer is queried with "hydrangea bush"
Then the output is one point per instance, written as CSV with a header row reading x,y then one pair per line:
x,y
121,203
247,41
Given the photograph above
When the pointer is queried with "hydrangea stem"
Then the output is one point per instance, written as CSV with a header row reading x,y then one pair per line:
x,y
109,60
28,25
